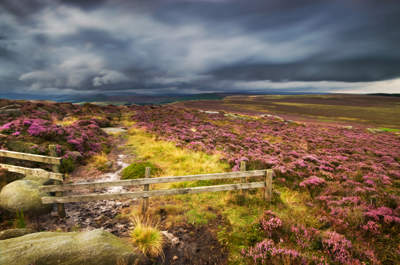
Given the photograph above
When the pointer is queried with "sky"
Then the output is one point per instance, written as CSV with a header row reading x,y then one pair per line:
x,y
199,46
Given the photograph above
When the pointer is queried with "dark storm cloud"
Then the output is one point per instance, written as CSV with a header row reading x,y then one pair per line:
x,y
188,46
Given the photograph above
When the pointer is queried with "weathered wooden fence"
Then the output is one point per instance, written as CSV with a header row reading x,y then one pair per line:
x,y
266,184
51,160
59,188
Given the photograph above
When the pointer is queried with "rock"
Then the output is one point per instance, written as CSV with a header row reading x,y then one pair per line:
x,y
173,240
11,233
23,195
109,164
40,176
96,247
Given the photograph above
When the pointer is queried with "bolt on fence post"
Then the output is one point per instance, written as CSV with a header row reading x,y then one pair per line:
x,y
268,185
56,169
145,203
243,168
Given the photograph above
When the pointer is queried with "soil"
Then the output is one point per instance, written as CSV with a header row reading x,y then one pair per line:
x,y
197,245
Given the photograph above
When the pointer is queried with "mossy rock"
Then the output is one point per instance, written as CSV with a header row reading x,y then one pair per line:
x,y
15,232
21,146
137,170
23,195
96,247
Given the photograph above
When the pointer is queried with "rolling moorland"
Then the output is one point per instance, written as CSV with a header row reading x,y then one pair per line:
x,y
336,159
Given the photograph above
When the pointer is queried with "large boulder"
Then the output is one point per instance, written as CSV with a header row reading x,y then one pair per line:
x,y
15,232
96,247
23,195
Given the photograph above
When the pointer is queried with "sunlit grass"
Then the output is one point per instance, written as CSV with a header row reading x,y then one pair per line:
x,y
172,160
66,121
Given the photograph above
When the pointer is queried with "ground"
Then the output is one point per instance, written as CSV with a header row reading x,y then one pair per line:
x,y
358,205
378,111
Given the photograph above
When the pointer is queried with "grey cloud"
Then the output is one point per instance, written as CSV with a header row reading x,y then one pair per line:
x,y
186,46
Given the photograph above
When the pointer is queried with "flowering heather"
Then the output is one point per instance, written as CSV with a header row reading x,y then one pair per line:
x,y
338,248
355,172
83,136
266,252
312,181
269,222
304,236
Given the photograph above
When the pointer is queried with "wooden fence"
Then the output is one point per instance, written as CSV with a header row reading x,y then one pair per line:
x,y
59,188
266,184
51,160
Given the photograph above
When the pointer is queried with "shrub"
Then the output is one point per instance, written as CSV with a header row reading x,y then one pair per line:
x,y
267,252
338,247
271,224
137,170
313,185
147,237
67,165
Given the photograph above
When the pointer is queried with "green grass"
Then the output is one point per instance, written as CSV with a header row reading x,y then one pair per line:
x,y
388,129
198,217
137,170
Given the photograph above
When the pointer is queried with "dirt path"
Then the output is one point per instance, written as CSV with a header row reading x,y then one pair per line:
x,y
96,214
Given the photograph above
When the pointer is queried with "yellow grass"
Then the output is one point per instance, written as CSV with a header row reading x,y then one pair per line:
x,y
99,161
146,236
66,121
172,160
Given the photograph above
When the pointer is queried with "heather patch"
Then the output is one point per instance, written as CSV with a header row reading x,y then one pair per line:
x,y
352,175
38,126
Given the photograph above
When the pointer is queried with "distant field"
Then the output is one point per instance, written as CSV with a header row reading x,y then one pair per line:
x,y
378,111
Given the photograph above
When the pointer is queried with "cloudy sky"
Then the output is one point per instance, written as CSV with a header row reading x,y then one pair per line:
x,y
199,46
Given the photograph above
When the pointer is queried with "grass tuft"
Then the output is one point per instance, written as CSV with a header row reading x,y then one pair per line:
x,y
147,237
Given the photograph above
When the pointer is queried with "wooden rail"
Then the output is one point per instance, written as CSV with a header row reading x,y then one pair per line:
x,y
152,193
146,193
33,171
31,157
144,181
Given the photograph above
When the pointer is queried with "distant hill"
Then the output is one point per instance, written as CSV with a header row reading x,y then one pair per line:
x,y
117,99
385,95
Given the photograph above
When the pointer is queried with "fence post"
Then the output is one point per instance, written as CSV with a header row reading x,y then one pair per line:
x,y
146,187
56,169
268,185
243,168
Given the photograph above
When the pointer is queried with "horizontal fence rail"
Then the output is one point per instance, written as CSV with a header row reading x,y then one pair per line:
x,y
33,172
31,157
152,193
144,181
244,175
